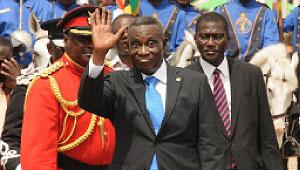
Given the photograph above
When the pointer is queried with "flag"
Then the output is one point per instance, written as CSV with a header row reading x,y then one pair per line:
x,y
129,6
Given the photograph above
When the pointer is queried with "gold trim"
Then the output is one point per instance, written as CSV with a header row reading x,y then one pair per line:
x,y
58,96
81,32
82,138
102,128
28,89
233,29
64,128
51,69
254,26
72,61
64,103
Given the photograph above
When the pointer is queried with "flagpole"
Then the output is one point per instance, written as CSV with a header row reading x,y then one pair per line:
x,y
278,6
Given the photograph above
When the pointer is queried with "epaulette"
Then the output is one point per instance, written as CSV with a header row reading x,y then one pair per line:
x,y
51,69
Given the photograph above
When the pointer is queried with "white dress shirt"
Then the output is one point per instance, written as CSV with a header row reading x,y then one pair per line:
x,y
224,75
160,74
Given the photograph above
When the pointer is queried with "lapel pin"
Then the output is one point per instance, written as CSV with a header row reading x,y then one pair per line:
x,y
178,78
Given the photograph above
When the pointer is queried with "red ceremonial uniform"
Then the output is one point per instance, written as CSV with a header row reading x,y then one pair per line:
x,y
53,123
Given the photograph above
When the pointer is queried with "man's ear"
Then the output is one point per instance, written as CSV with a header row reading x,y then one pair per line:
x,y
66,38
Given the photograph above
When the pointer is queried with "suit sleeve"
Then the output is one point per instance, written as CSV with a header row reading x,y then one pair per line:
x,y
11,134
267,139
40,128
210,143
96,95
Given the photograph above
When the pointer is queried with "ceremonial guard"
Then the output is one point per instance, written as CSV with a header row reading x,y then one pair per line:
x,y
292,23
15,20
191,14
171,16
56,132
252,27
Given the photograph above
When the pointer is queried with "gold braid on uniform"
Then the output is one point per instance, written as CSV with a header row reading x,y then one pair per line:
x,y
71,104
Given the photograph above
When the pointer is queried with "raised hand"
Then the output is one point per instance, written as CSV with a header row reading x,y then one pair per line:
x,y
103,38
10,70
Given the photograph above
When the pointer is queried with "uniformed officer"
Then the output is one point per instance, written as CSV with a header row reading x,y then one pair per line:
x,y
170,15
15,17
292,23
191,14
252,27
56,132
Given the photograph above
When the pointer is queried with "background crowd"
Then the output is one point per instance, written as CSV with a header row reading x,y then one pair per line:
x,y
45,46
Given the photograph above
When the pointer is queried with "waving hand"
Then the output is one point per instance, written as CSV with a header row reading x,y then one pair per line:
x,y
103,38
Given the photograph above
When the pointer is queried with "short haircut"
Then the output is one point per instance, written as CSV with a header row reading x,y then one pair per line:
x,y
212,17
115,23
146,20
4,42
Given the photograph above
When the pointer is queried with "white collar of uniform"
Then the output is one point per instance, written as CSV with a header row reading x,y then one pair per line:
x,y
209,69
160,74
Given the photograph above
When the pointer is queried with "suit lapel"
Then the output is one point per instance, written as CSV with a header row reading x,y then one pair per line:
x,y
236,81
174,82
139,89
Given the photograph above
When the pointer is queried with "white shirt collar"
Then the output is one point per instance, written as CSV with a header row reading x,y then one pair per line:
x,y
209,69
160,74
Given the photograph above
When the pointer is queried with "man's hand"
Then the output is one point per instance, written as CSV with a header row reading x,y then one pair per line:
x,y
103,38
10,70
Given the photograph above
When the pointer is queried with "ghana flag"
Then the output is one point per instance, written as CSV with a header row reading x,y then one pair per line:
x,y
129,6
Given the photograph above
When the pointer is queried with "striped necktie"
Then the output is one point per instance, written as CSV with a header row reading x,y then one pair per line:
x,y
222,106
221,101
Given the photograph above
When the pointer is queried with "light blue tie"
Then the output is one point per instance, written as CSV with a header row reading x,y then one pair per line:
x,y
155,108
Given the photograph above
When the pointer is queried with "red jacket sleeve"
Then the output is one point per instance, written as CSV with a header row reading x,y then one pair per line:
x,y
40,128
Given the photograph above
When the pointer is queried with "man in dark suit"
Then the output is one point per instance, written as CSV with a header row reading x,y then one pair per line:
x,y
240,97
162,120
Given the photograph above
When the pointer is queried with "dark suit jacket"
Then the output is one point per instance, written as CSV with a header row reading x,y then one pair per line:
x,y
253,143
187,140
13,123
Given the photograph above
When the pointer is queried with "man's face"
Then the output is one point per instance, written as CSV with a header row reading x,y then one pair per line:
x,y
183,2
79,47
122,44
211,40
146,46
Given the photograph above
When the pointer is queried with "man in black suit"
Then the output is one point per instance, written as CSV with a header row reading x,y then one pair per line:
x,y
166,127
243,107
